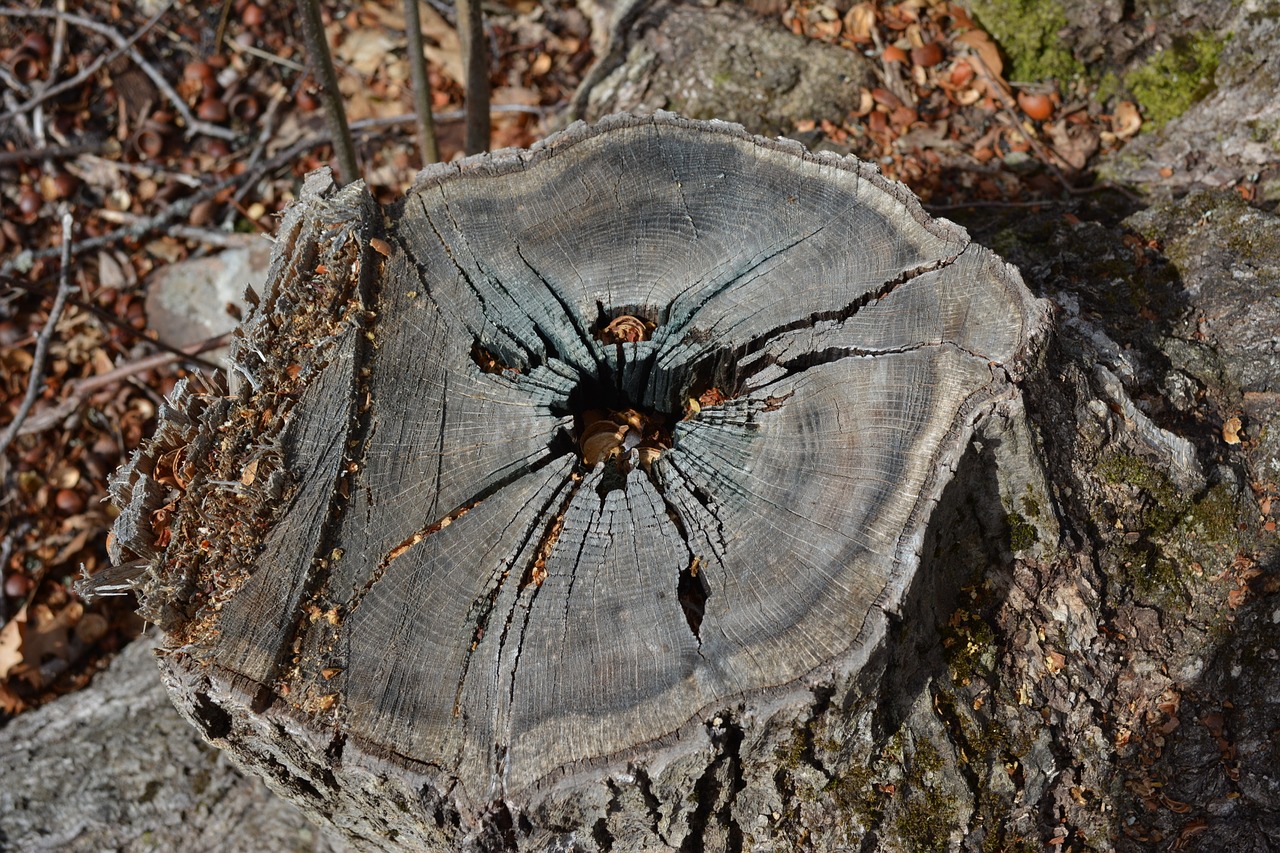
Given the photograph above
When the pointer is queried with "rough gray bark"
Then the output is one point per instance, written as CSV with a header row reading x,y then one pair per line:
x,y
1229,134
401,582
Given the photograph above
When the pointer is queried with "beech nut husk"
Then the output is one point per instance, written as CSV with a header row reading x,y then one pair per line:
x,y
148,142
245,107
37,44
1037,106
25,65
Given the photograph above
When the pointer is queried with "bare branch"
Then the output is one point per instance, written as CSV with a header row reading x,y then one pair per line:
x,y
475,64
193,124
421,84
322,67
80,389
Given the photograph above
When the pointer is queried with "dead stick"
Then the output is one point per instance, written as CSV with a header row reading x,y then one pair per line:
x,y
119,323
221,32
421,85
475,68
182,207
1014,112
56,152
322,67
55,62
36,380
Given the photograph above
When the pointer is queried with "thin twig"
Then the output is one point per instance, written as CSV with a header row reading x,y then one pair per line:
x,y
267,133
13,82
1014,112
36,380
221,33
322,67
55,62
138,170
449,116
56,152
117,322
194,125
208,236
943,208
168,214
267,55
81,389
421,84
86,72
1011,108
475,66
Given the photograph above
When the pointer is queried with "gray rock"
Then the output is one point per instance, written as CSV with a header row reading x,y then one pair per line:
x,y
721,62
113,767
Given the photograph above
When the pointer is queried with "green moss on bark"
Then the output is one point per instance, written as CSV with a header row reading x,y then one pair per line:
x,y
1175,78
1027,31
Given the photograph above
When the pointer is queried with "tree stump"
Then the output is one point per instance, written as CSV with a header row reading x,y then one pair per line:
x,y
566,482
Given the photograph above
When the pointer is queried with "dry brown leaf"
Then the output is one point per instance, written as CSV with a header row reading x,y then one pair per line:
x,y
441,40
365,50
516,95
1126,120
1231,430
45,632
1074,143
11,643
859,21
84,531
981,44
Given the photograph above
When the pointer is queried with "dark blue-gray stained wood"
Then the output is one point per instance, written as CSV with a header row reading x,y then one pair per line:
x,y
446,582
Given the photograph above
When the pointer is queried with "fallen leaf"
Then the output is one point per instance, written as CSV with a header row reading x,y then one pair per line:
x,y
1126,120
11,643
859,21
1074,143
981,44
365,50
1231,430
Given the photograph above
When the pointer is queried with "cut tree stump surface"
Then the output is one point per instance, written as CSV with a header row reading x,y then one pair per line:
x,y
562,461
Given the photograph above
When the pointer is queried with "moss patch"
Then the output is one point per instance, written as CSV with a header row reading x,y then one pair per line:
x,y
1164,504
1027,32
1175,78
1022,533
855,793
928,816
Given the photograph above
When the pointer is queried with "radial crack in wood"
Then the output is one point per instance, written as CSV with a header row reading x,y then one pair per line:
x,y
609,437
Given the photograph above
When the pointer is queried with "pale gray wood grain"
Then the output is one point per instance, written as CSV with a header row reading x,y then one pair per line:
x,y
423,589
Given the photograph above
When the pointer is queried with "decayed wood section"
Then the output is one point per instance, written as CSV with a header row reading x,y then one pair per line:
x,y
580,466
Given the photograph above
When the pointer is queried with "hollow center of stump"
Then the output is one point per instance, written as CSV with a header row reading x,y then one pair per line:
x,y
607,425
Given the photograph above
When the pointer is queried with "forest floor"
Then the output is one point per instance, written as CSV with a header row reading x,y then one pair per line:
x,y
172,132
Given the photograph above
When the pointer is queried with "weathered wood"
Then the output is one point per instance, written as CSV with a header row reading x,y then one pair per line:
x,y
391,584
